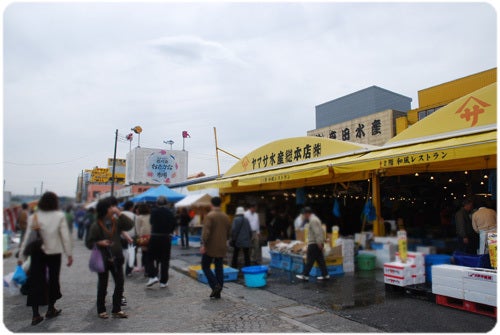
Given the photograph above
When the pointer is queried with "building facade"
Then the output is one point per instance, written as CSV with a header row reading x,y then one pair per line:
x,y
359,104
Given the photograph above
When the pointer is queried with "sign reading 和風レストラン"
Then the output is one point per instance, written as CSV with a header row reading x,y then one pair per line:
x,y
156,166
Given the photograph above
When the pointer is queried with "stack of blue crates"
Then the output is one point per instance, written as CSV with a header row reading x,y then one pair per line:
x,y
230,274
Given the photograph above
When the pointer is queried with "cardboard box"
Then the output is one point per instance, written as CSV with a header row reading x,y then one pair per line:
x,y
336,251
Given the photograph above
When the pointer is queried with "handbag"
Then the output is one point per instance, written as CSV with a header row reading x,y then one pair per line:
x,y
34,240
96,263
143,240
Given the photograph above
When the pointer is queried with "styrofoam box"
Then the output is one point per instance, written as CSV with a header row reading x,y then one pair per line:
x,y
398,269
348,267
449,270
367,252
380,261
426,250
418,279
413,258
398,281
479,274
481,298
452,282
386,240
386,253
447,291
480,286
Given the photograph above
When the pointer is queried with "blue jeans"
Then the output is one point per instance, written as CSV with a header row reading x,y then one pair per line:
x,y
216,280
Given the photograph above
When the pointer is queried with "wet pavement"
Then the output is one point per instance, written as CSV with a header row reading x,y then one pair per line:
x,y
356,303
363,297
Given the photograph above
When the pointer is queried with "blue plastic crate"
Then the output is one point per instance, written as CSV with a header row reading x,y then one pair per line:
x,y
333,270
275,259
474,261
434,259
286,262
230,274
297,263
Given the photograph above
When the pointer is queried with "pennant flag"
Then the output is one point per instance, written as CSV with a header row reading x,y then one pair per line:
x,y
185,134
129,137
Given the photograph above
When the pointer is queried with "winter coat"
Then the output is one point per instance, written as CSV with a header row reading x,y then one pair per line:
x,y
216,231
241,233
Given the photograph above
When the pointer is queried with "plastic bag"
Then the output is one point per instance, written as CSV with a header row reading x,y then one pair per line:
x,y
9,285
19,275
131,255
96,263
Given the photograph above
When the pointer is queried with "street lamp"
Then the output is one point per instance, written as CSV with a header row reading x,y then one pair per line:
x,y
170,142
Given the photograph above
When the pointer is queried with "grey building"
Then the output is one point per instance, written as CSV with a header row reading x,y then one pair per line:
x,y
359,104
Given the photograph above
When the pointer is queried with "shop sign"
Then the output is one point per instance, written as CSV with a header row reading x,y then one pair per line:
x,y
421,158
283,156
100,175
161,167
276,178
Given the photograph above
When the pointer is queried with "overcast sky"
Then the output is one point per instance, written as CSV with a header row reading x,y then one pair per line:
x,y
74,73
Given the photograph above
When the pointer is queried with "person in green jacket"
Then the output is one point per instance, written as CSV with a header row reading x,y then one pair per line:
x,y
105,233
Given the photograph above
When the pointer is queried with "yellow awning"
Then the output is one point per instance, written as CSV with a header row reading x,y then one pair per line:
x,y
476,151
473,112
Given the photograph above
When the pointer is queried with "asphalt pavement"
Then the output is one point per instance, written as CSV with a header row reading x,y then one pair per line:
x,y
357,303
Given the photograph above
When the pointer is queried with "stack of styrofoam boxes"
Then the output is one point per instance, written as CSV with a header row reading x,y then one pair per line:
x,y
347,253
426,250
385,255
409,273
461,282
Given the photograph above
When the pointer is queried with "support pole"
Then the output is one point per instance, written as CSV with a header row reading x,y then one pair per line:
x,y
114,165
378,226
217,152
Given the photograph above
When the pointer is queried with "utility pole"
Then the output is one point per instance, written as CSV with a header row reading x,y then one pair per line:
x,y
41,188
114,165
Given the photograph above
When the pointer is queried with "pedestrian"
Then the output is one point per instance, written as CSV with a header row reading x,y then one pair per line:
x,y
184,220
484,221
88,221
143,229
214,235
160,243
316,242
105,233
253,217
241,237
80,218
45,267
70,219
128,236
22,222
468,239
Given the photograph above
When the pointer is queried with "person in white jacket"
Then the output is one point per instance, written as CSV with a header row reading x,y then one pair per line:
x,y
53,228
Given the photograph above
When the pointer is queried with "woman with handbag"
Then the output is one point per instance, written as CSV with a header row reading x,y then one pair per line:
x,y
106,235
46,258
143,229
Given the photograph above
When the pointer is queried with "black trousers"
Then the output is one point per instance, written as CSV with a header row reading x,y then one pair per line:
x,y
184,235
116,271
216,280
159,257
315,254
246,255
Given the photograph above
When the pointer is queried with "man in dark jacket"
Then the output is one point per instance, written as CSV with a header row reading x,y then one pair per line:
x,y
216,231
162,227
241,237
467,238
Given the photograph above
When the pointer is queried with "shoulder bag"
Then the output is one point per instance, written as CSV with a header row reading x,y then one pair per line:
x,y
34,240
